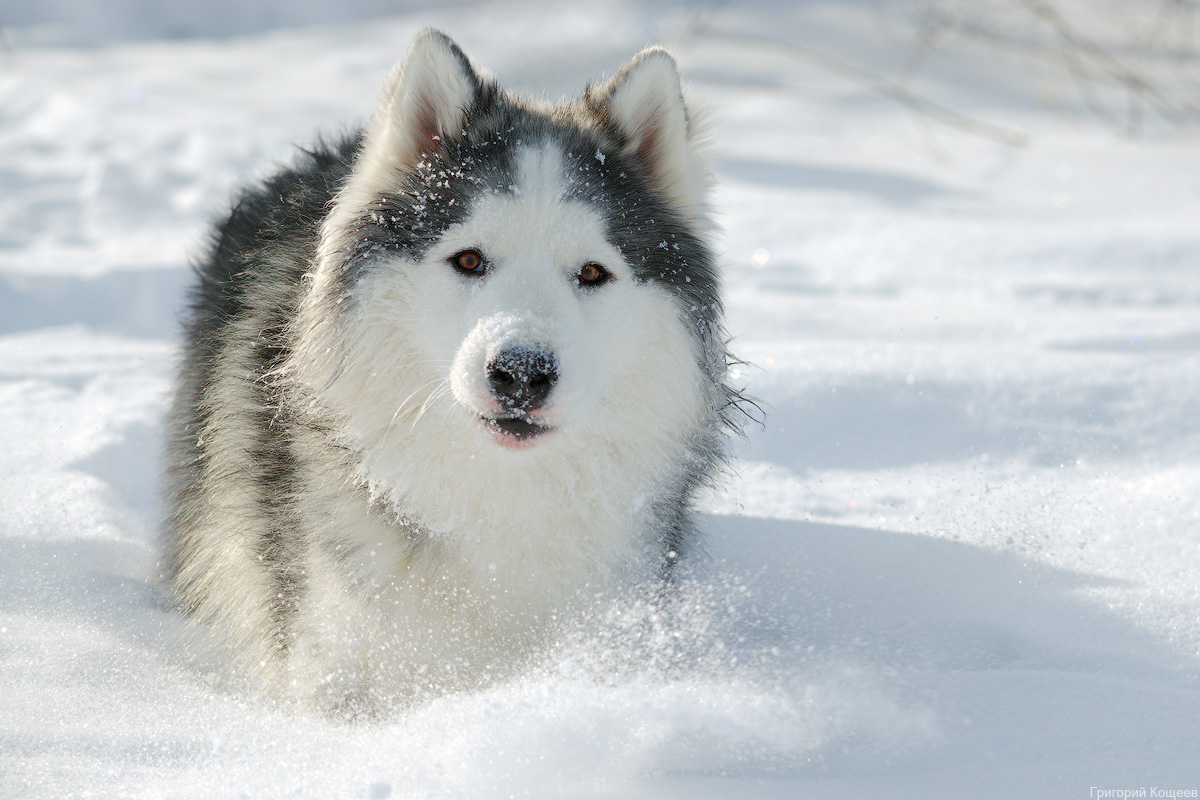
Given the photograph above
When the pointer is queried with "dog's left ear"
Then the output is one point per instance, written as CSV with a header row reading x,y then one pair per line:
x,y
645,102
426,99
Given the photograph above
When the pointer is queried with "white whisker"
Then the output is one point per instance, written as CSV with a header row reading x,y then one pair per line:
x,y
404,405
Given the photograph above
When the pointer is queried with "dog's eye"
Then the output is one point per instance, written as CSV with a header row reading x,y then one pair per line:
x,y
592,275
470,261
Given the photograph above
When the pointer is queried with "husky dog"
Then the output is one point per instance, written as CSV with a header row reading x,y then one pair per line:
x,y
447,379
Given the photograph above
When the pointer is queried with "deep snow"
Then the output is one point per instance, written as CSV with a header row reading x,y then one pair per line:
x,y
961,558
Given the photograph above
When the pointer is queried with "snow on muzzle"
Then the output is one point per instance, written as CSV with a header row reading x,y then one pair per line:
x,y
505,373
521,377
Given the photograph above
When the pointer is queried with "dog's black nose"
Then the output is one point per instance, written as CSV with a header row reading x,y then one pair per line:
x,y
521,377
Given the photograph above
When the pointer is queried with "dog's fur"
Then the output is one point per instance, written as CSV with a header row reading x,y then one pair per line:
x,y
390,475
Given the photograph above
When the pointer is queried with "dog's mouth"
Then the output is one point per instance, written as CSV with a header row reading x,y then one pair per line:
x,y
520,428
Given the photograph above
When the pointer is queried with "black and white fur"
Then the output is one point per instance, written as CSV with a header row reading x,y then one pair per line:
x,y
390,473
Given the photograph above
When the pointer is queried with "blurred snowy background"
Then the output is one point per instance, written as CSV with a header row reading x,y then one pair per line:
x,y
960,559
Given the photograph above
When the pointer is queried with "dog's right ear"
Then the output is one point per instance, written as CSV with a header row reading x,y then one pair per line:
x,y
645,103
426,99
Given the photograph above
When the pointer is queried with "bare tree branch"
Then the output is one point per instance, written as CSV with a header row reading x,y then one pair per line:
x,y
893,89
1146,64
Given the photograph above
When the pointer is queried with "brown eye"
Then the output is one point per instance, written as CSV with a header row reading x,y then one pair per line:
x,y
592,275
468,261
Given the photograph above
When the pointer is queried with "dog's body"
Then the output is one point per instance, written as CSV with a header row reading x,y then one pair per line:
x,y
447,378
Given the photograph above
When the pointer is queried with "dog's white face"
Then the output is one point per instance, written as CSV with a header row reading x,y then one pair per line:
x,y
519,343
544,320
530,323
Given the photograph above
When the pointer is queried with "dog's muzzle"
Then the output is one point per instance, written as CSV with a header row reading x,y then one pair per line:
x,y
521,377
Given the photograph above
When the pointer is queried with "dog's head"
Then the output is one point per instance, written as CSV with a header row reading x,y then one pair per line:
x,y
518,272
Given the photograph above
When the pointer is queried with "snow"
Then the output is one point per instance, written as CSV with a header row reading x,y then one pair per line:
x,y
960,559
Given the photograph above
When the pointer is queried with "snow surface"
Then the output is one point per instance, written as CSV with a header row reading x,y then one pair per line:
x,y
961,558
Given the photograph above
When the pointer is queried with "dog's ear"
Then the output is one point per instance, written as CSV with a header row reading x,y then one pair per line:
x,y
426,99
645,102
425,102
